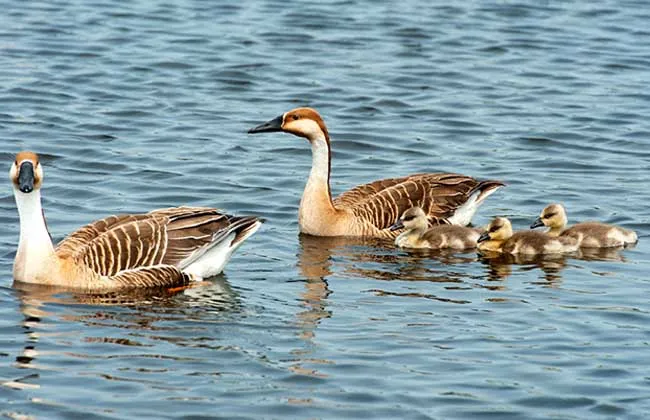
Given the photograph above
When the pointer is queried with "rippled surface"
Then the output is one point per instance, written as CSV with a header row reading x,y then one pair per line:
x,y
137,105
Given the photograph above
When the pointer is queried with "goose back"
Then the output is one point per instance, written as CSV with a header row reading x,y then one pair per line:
x,y
380,203
162,237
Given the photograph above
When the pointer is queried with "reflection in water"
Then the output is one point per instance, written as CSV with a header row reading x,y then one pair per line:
x,y
138,310
500,265
375,259
321,257
603,254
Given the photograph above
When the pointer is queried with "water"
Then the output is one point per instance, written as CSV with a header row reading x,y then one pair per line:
x,y
139,105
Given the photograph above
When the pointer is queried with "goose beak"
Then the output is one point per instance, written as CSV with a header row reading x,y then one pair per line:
x,y
268,127
537,223
26,177
397,225
484,237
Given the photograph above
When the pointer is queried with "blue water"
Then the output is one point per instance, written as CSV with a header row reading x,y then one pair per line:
x,y
139,105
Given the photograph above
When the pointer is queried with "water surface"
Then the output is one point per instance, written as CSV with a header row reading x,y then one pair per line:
x,y
139,105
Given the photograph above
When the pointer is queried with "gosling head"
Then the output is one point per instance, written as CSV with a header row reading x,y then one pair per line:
x,y
499,229
26,173
553,216
413,218
302,122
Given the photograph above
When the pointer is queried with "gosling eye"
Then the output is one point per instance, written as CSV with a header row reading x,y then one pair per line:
x,y
408,218
494,229
295,117
548,216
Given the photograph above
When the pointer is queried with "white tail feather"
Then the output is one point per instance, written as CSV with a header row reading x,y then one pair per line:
x,y
215,259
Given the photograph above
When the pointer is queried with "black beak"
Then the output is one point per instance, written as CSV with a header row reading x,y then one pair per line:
x,y
484,237
26,177
397,225
268,127
537,223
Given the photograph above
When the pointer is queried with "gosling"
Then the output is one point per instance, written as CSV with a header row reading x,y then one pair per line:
x,y
417,233
586,234
500,238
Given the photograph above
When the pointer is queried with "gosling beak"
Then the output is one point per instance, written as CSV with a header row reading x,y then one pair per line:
x,y
268,127
484,237
26,177
537,223
397,225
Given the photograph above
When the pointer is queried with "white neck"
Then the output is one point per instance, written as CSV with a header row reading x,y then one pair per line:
x,y
320,163
35,245
316,199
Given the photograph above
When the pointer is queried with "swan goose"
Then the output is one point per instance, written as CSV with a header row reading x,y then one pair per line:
x,y
587,234
499,237
369,210
162,248
417,233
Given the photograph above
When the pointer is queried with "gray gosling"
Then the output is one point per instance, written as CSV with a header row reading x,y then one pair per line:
x,y
417,233
500,238
586,234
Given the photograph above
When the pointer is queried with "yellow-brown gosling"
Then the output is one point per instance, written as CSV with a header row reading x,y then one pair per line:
x,y
499,238
587,234
164,248
369,210
417,233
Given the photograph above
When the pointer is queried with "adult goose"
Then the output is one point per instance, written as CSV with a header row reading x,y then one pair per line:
x,y
163,248
369,210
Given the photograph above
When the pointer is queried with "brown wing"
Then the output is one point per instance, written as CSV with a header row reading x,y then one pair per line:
x,y
157,276
360,193
439,195
165,236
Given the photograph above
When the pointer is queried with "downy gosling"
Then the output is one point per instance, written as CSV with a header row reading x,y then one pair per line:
x,y
500,238
417,233
586,234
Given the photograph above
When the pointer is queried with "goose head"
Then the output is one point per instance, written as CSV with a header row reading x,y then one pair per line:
x,y
302,122
26,173
553,216
413,218
499,229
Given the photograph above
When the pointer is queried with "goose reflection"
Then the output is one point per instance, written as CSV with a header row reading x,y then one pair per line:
x,y
321,257
126,318
500,265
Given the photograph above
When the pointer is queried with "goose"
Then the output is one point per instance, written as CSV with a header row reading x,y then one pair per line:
x,y
417,233
163,248
587,234
499,238
369,210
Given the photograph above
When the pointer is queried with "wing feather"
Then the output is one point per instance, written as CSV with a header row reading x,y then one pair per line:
x,y
164,237
438,194
154,276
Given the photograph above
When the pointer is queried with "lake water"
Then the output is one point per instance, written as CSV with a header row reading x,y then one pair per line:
x,y
140,105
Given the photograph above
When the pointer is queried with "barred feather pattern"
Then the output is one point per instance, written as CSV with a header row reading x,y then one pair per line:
x,y
148,250
148,277
381,203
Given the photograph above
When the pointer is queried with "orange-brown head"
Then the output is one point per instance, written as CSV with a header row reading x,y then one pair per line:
x,y
303,122
26,173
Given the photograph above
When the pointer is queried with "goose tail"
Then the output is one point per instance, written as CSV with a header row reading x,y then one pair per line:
x,y
213,259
